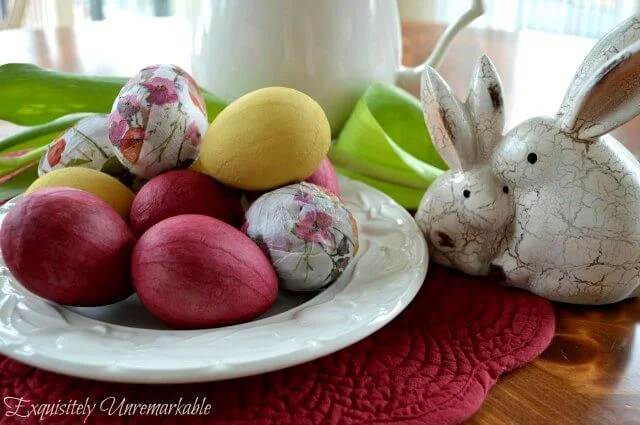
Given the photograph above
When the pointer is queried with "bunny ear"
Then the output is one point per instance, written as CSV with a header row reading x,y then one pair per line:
x,y
610,98
485,106
448,121
619,38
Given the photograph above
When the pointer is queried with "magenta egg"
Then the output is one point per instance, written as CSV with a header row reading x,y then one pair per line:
x,y
325,176
180,192
68,246
194,271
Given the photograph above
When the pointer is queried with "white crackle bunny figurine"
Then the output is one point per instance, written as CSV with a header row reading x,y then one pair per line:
x,y
577,229
576,233
466,213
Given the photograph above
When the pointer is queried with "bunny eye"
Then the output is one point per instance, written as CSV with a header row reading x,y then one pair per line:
x,y
466,193
532,158
505,189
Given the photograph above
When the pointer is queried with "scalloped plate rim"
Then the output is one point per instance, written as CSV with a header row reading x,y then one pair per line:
x,y
412,279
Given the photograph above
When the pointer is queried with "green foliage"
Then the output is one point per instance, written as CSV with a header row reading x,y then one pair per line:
x,y
385,143
49,102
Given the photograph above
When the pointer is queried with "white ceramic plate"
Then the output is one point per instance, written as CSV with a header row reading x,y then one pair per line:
x,y
124,343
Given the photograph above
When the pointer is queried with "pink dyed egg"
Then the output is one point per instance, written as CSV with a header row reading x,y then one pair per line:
x,y
325,176
194,271
180,192
68,246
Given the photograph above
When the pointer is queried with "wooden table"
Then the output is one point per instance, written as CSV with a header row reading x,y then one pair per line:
x,y
591,372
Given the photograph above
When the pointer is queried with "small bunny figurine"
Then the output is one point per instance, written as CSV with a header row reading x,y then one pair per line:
x,y
466,213
575,236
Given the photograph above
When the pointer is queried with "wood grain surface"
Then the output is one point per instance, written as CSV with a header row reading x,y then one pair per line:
x,y
591,372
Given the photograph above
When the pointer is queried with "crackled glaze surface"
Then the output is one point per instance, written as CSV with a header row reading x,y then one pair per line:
x,y
465,233
383,279
577,232
466,213
577,194
575,191
610,46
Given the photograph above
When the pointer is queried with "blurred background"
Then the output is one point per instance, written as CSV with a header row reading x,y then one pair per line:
x,y
588,18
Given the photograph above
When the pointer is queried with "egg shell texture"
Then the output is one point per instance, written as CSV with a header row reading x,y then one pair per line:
x,y
69,247
325,176
157,121
265,139
310,236
87,144
113,192
195,271
180,192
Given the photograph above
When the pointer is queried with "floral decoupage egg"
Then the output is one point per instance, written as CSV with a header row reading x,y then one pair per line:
x,y
308,233
86,144
157,121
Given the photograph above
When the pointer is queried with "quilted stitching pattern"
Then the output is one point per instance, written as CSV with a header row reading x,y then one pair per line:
x,y
434,364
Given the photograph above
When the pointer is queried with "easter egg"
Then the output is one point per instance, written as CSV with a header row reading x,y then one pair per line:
x,y
326,177
266,139
69,247
180,192
86,144
157,121
194,271
197,166
113,192
311,237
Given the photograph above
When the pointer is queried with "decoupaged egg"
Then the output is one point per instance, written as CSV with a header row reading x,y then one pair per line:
x,y
310,236
157,121
86,144
266,139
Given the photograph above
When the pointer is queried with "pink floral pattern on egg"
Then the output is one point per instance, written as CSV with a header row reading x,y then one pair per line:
x,y
308,233
158,120
86,144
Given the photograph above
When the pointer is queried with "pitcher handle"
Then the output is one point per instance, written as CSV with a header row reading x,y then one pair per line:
x,y
409,77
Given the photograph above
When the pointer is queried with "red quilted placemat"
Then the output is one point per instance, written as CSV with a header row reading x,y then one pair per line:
x,y
433,364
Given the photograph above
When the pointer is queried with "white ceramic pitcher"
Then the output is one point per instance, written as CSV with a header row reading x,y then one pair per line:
x,y
329,49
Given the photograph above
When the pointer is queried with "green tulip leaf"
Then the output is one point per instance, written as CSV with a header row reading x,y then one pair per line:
x,y
39,135
420,177
385,143
10,163
49,102
32,95
17,184
32,143
405,196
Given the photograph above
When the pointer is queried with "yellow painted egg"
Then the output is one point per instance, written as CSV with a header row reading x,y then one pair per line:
x,y
197,166
102,185
266,139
